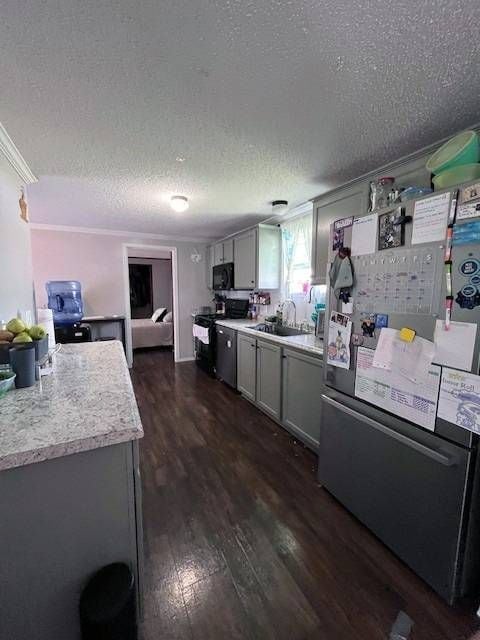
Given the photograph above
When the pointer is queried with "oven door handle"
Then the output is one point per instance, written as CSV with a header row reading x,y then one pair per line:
x,y
400,437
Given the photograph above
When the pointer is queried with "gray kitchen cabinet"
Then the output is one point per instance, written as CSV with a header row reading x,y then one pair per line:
x,y
217,254
245,259
302,387
210,261
349,202
228,250
269,378
223,252
66,518
257,258
246,366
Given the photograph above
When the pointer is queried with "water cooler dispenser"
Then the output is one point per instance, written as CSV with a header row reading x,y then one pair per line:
x,y
65,301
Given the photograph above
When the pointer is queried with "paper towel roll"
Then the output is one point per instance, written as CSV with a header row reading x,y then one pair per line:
x,y
45,319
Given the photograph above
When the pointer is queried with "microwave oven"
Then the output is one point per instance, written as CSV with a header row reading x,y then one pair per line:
x,y
223,277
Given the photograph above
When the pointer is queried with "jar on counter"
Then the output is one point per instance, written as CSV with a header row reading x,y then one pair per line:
x,y
380,192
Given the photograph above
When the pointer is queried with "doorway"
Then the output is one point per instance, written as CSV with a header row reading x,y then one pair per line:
x,y
151,298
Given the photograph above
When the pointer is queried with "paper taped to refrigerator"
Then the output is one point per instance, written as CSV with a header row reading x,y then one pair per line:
x,y
364,235
430,217
459,401
454,347
412,360
395,393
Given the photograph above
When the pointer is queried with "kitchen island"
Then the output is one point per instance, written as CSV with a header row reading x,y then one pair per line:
x,y
69,489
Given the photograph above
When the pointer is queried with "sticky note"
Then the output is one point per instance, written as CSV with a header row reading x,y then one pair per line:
x,y
407,335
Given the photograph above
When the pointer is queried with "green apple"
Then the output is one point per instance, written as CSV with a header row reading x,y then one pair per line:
x,y
22,337
16,325
36,332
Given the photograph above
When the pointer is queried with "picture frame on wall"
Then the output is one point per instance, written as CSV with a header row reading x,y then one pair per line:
x,y
391,232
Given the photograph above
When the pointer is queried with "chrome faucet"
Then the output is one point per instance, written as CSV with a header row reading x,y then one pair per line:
x,y
289,301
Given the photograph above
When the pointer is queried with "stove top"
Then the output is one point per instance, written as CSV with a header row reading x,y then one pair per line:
x,y
235,309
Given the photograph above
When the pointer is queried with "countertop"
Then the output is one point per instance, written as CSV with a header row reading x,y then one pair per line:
x,y
103,318
307,342
86,403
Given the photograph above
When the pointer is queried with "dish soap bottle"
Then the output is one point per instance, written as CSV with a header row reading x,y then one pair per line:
x,y
279,315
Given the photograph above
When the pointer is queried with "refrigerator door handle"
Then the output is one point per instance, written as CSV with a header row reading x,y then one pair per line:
x,y
409,442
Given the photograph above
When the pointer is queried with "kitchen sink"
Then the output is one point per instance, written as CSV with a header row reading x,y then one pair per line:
x,y
279,331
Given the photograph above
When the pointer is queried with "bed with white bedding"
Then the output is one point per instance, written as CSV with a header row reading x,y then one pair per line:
x,y
147,333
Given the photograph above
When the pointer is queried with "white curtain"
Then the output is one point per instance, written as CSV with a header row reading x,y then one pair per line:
x,y
296,233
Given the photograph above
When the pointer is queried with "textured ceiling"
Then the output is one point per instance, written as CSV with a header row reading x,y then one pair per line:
x,y
264,99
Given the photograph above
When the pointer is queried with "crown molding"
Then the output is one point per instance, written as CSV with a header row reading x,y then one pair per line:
x,y
117,233
15,158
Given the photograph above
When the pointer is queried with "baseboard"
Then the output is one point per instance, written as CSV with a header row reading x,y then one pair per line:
x,y
187,359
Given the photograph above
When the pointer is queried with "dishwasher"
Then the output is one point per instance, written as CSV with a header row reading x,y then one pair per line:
x,y
226,355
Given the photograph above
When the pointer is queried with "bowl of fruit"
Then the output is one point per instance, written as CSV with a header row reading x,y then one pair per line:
x,y
17,333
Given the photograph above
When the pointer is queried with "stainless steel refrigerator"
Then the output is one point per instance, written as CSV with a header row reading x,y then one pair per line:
x,y
415,487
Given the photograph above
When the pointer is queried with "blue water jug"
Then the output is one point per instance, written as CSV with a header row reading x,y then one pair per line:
x,y
65,300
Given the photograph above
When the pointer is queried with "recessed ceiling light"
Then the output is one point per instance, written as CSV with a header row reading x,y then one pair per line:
x,y
180,159
179,203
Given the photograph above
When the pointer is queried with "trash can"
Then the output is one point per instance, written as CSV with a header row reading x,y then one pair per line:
x,y
107,605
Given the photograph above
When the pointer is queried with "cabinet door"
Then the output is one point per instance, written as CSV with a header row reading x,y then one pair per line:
x,y
228,250
302,382
210,263
269,378
245,257
218,253
246,365
352,202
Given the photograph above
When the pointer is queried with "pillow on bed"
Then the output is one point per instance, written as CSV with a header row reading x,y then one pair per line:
x,y
159,314
168,317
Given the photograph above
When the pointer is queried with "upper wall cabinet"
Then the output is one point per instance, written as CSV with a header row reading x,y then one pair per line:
x,y
348,202
256,255
245,259
353,200
223,252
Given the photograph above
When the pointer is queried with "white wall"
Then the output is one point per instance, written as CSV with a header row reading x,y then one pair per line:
x,y
96,260
162,291
16,286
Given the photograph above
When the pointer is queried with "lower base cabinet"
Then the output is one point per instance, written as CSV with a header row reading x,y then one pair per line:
x,y
284,383
302,382
246,366
269,378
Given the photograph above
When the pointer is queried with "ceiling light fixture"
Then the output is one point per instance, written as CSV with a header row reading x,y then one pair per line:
x,y
279,207
180,159
179,203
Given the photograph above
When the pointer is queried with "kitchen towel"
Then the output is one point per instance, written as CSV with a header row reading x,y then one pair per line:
x,y
201,333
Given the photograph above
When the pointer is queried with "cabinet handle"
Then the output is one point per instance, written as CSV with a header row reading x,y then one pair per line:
x,y
400,437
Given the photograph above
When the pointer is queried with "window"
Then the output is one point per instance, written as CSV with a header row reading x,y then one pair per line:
x,y
296,252
297,268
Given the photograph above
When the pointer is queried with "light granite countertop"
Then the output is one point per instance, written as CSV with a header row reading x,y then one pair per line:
x,y
307,342
86,403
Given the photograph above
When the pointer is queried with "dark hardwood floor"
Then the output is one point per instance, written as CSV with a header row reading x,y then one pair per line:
x,y
241,541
